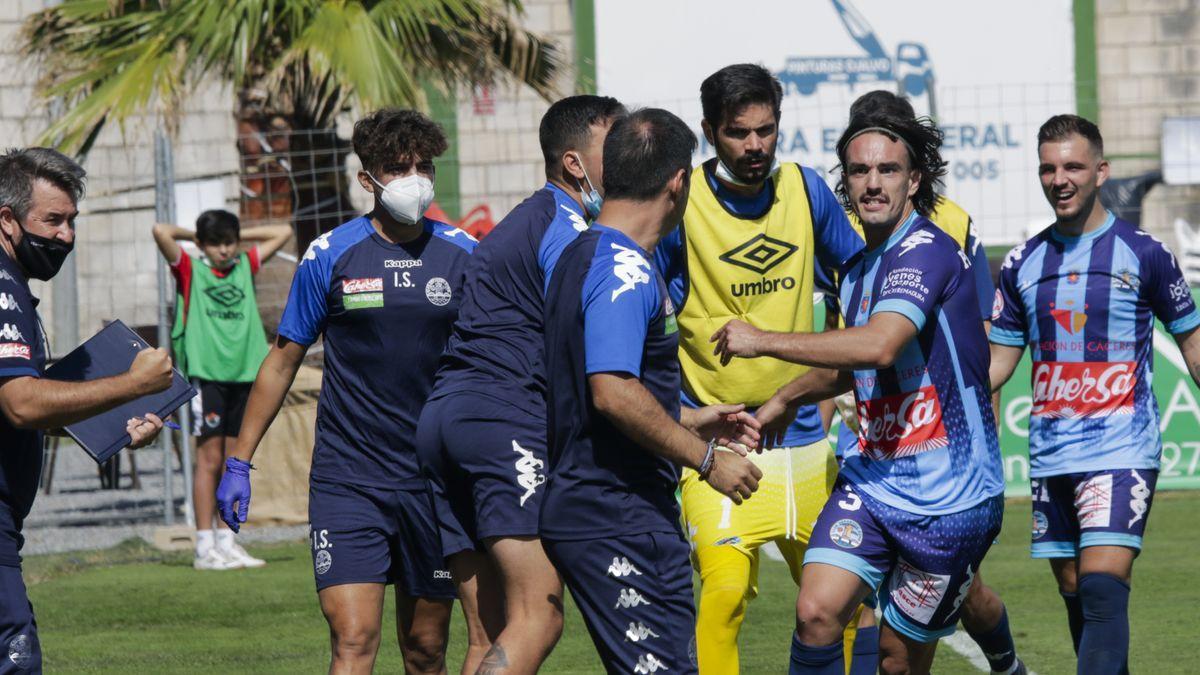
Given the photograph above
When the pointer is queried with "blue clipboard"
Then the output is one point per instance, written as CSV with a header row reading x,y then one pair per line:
x,y
107,353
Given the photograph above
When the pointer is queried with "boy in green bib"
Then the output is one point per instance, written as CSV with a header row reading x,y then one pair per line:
x,y
219,344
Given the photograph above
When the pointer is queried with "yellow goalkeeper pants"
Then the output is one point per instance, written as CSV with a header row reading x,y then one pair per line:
x,y
726,539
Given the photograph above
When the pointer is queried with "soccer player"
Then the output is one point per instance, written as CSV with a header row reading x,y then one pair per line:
x,y
382,290
1083,295
610,521
746,249
920,498
219,343
983,613
482,436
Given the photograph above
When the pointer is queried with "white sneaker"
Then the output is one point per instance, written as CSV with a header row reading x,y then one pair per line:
x,y
212,559
238,556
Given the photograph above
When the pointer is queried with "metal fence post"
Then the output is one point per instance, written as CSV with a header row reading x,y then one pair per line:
x,y
164,207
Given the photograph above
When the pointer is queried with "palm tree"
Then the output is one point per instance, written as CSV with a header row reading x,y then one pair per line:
x,y
295,65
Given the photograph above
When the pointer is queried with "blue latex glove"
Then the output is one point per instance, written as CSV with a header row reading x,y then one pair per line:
x,y
234,487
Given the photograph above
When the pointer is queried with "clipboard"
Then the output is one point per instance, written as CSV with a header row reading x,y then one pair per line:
x,y
107,353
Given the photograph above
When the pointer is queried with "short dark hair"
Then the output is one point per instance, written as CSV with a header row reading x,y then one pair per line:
x,y
732,88
392,133
1059,127
567,125
216,226
919,135
881,99
20,167
643,151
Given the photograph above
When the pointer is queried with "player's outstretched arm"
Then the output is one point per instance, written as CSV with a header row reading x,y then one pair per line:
x,y
1189,344
40,403
815,386
626,402
1004,362
273,237
275,377
871,346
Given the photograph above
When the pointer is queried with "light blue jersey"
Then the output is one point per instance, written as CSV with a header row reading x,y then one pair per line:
x,y
1086,307
927,442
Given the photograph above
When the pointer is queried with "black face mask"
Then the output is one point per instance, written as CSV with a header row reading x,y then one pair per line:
x,y
41,257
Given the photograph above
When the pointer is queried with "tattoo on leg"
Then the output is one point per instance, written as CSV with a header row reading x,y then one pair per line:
x,y
494,662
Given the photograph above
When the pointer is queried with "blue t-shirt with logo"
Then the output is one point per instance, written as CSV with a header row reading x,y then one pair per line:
x,y
1086,306
927,439
607,311
385,311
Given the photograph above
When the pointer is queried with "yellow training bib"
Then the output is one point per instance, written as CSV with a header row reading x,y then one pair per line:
x,y
759,270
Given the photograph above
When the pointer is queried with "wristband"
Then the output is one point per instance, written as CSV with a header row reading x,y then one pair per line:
x,y
706,465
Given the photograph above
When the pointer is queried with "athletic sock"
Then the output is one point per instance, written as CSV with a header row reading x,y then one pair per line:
x,y
817,660
997,645
865,659
204,541
1104,647
1074,617
224,539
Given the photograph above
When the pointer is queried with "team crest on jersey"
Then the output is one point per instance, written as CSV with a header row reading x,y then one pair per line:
x,y
1040,524
902,425
865,304
1126,280
846,533
1070,390
323,561
997,305
1073,277
20,650
211,420
437,291
1070,320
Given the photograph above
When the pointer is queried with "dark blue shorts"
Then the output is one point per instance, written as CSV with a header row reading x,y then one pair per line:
x,y
369,535
921,565
1095,508
20,650
485,462
635,594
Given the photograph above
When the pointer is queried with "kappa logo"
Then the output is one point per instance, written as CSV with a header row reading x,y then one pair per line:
x,y
966,586
10,332
638,631
5,276
1013,256
226,295
759,254
577,220
621,567
1138,495
628,269
630,598
527,471
9,303
321,243
914,240
647,663
455,231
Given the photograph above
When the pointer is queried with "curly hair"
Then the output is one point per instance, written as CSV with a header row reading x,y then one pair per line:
x,y
391,133
919,134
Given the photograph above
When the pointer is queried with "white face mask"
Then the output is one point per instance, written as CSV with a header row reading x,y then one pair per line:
x,y
726,175
406,198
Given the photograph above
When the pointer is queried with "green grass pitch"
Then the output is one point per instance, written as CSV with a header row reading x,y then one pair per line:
x,y
132,609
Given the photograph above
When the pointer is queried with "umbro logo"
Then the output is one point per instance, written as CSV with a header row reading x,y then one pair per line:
x,y
759,254
226,295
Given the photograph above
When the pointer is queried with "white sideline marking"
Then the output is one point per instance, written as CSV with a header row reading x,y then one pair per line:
x,y
962,643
